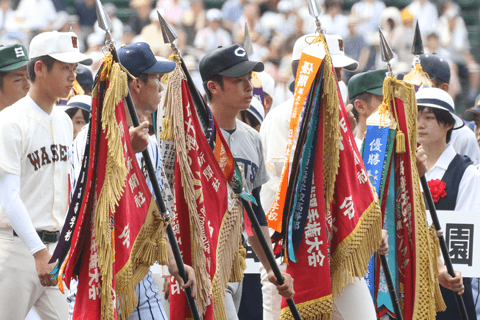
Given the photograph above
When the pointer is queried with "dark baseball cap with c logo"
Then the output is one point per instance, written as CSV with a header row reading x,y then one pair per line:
x,y
229,61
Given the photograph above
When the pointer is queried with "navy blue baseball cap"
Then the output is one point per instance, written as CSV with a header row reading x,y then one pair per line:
x,y
139,58
84,77
230,61
435,67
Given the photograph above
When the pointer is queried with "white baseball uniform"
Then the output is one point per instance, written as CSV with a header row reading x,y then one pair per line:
x,y
34,160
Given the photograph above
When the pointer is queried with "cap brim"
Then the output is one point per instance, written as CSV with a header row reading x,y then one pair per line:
x,y
341,61
458,121
72,57
161,67
471,114
14,66
376,91
242,68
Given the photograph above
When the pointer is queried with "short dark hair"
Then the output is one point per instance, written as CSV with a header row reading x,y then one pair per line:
x,y
365,96
142,76
443,117
72,111
252,121
216,78
46,60
437,83
3,74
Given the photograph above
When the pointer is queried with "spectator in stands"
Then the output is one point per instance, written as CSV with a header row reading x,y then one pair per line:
x,y
453,36
286,17
213,35
232,11
268,86
141,16
117,25
392,27
128,35
173,10
195,20
6,14
333,20
36,15
152,34
86,12
368,13
355,47
426,13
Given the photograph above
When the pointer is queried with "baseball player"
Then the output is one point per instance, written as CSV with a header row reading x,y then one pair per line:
x,y
14,83
140,61
227,79
34,139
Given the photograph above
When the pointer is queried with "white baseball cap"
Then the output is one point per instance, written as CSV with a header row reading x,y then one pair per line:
x,y
335,46
257,110
268,84
62,46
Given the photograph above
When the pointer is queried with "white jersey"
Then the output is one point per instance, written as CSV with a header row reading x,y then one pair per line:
x,y
34,145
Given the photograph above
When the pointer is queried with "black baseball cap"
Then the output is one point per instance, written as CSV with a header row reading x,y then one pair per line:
x,y
435,67
139,58
230,61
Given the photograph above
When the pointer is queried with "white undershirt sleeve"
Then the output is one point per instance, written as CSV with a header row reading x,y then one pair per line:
x,y
17,213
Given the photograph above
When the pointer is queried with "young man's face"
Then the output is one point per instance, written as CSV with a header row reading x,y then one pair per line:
x,y
78,122
58,82
15,86
429,130
237,93
150,93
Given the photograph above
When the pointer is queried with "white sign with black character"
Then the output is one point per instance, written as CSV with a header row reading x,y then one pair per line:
x,y
461,230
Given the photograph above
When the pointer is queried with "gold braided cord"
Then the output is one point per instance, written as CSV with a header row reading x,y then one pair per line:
x,y
227,249
115,178
352,255
199,261
318,309
427,300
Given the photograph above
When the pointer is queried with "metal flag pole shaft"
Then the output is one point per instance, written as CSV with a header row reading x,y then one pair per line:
x,y
443,245
169,36
391,288
104,23
269,254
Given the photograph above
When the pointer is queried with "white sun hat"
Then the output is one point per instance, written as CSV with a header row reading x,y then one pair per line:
x,y
62,46
439,99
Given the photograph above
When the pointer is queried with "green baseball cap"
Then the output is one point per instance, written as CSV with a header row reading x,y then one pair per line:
x,y
370,81
13,57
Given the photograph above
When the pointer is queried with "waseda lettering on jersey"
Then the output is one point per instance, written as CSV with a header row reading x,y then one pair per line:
x,y
42,157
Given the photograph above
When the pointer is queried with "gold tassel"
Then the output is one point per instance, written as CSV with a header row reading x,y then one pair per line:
x,y
400,142
162,251
167,131
239,264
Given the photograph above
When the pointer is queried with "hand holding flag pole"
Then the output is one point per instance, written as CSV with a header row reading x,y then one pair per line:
x,y
105,24
388,55
417,50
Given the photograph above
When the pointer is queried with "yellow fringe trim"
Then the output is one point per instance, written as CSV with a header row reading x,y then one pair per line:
x,y
239,264
114,184
227,251
318,309
435,253
170,103
149,247
352,255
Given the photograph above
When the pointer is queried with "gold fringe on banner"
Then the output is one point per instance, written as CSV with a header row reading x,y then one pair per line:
x,y
352,255
170,103
115,177
318,309
239,265
227,251
149,247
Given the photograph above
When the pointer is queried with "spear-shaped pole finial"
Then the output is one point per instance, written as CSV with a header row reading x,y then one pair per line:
x,y
313,10
168,34
387,53
104,23
417,47
247,41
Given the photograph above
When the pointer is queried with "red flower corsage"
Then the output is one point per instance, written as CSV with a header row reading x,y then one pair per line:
x,y
437,189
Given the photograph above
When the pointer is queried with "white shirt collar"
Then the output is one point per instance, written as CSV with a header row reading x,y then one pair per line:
x,y
445,158
38,109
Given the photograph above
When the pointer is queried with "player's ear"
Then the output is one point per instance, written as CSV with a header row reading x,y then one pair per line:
x,y
135,86
39,68
213,87
360,106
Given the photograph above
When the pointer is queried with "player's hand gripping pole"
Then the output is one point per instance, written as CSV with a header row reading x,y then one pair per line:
x,y
443,245
105,24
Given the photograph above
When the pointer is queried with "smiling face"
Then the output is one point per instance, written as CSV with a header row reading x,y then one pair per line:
x,y
14,87
430,130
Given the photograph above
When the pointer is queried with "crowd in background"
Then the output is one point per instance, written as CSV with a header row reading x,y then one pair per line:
x,y
274,26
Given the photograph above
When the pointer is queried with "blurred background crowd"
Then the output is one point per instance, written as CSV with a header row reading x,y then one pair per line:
x,y
449,29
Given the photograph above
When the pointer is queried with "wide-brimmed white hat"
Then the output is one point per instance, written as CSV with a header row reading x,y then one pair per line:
x,y
335,46
439,99
62,46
